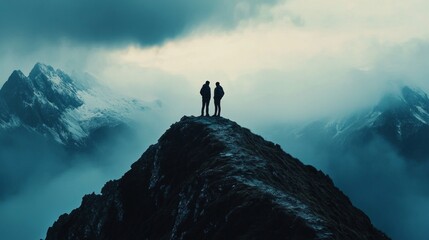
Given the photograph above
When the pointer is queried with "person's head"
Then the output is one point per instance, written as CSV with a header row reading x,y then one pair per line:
x,y
207,82
217,83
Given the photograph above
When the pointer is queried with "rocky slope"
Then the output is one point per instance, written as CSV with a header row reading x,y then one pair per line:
x,y
209,178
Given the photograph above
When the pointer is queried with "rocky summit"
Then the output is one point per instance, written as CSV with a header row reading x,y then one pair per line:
x,y
209,178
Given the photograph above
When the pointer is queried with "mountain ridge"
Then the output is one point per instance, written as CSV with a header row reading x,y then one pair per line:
x,y
399,119
211,178
55,105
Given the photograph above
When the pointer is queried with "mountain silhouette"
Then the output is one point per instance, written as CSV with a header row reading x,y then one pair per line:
x,y
68,110
209,178
400,119
50,118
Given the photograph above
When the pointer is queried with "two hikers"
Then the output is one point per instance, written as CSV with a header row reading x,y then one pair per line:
x,y
206,94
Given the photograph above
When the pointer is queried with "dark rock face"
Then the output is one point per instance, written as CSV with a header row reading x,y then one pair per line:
x,y
209,178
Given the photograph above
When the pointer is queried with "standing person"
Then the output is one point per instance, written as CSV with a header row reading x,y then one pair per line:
x,y
218,94
206,94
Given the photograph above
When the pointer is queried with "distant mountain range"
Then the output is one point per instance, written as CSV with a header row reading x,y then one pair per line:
x,y
68,110
400,119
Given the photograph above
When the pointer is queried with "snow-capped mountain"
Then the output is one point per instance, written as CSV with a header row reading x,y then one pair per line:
x,y
209,178
401,119
66,109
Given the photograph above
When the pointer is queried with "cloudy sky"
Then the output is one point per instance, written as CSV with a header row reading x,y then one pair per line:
x,y
278,60
298,57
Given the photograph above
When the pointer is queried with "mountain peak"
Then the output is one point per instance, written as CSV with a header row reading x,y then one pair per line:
x,y
17,74
400,118
53,104
45,76
414,95
408,102
16,85
207,178
17,77
41,68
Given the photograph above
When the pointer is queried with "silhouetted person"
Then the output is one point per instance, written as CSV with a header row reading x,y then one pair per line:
x,y
206,94
218,94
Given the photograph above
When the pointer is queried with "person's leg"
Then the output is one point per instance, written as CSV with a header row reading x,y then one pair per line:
x,y
202,108
216,108
207,107
218,113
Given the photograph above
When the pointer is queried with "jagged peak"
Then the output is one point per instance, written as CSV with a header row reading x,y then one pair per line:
x,y
412,89
17,78
43,72
41,68
410,94
17,73
401,96
401,91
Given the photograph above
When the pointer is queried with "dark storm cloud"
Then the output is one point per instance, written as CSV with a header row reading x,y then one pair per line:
x,y
110,21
